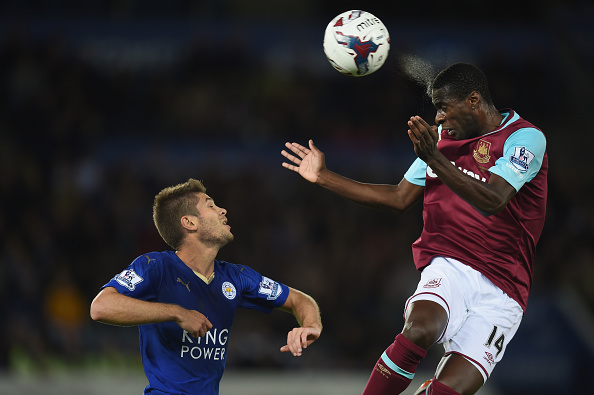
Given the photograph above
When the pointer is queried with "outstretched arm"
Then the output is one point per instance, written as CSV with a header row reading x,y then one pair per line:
x,y
307,312
111,307
310,164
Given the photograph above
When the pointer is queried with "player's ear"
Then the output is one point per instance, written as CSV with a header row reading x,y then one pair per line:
x,y
189,222
473,99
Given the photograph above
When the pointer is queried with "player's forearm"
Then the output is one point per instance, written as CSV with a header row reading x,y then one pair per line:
x,y
380,196
478,193
110,307
305,309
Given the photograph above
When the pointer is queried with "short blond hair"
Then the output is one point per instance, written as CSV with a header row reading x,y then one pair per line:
x,y
171,204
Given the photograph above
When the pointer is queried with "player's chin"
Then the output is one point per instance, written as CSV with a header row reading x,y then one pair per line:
x,y
225,238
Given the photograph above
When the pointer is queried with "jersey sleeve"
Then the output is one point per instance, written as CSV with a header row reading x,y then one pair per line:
x,y
260,292
139,280
523,153
416,173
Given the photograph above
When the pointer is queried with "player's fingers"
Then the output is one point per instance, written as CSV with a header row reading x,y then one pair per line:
x,y
304,337
310,336
293,341
295,145
208,324
290,157
422,132
418,126
412,128
434,132
297,149
290,167
413,137
423,123
423,139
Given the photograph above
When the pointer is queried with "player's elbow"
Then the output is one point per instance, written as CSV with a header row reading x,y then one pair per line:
x,y
98,310
491,208
95,311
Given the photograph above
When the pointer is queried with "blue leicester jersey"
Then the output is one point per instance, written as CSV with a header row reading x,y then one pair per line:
x,y
174,361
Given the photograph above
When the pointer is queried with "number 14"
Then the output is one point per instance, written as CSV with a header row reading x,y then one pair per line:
x,y
498,343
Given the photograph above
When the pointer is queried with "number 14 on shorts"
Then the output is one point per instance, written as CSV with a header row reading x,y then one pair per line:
x,y
498,343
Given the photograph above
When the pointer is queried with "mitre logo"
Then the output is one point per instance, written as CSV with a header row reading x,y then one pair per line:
x,y
481,152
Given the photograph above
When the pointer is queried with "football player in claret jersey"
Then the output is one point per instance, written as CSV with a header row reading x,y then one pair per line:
x,y
184,300
482,175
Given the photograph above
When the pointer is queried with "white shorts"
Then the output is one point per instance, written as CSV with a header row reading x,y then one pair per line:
x,y
482,319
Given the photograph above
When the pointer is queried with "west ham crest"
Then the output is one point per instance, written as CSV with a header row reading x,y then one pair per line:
x,y
481,152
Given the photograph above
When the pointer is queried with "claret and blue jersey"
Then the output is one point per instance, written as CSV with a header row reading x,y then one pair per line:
x,y
500,246
521,148
175,362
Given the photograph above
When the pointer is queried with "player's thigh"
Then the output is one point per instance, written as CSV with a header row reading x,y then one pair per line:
x,y
483,338
445,285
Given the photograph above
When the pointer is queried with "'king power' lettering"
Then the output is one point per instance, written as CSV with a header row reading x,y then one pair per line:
x,y
206,347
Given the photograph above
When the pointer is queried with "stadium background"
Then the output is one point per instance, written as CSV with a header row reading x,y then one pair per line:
x,y
105,104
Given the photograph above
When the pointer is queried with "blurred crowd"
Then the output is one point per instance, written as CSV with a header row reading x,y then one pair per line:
x,y
87,143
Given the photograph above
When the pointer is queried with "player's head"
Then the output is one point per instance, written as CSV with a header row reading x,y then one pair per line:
x,y
461,97
171,204
461,79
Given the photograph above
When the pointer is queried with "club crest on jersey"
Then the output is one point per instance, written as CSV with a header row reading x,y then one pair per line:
x,y
433,283
521,158
129,279
270,288
229,290
481,152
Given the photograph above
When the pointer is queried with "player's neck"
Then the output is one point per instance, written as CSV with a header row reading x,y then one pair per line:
x,y
493,120
200,260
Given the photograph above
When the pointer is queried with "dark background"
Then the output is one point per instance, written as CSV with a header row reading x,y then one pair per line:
x,y
103,105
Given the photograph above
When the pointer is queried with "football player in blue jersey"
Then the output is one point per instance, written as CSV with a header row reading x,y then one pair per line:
x,y
184,300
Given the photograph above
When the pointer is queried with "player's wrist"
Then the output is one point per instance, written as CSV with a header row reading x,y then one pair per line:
x,y
176,313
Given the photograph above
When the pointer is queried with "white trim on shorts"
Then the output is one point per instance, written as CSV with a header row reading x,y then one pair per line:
x,y
475,307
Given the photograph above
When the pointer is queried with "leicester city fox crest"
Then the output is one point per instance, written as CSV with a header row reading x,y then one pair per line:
x,y
229,290
270,288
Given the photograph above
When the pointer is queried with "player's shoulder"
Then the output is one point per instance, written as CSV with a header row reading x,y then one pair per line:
x,y
522,125
153,259
237,271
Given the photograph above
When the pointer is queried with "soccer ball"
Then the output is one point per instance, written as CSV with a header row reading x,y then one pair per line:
x,y
356,43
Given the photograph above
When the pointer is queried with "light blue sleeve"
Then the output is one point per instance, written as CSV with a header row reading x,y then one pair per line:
x,y
523,153
416,173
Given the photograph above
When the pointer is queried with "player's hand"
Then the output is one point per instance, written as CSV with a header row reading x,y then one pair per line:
x,y
309,162
194,322
424,137
298,340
